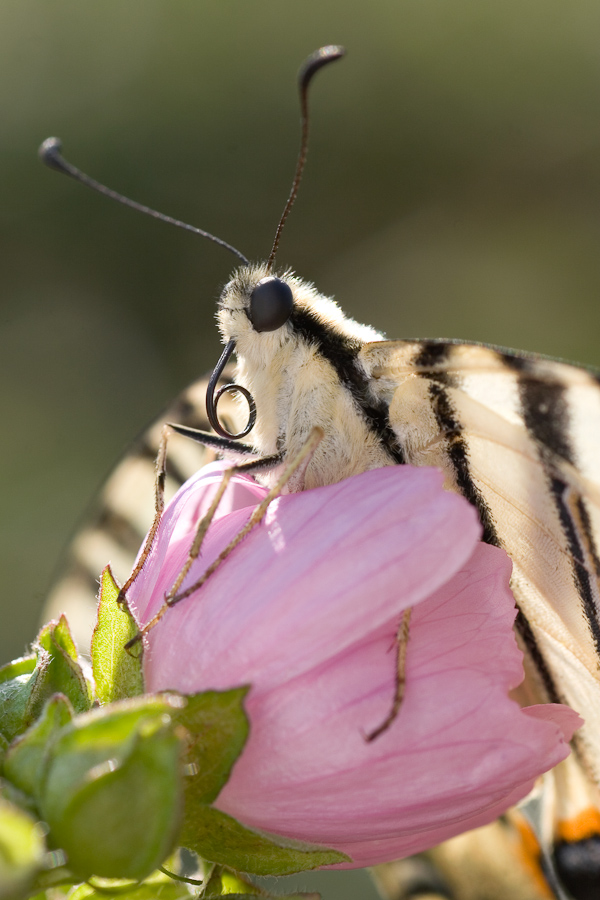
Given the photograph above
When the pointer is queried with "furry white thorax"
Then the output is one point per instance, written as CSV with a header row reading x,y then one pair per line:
x,y
295,387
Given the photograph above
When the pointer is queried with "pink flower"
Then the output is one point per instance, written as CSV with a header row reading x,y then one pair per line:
x,y
306,610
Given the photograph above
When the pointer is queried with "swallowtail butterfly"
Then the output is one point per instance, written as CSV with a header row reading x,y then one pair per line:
x,y
518,435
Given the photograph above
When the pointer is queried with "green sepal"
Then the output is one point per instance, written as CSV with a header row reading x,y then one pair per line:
x,y
112,793
22,851
225,883
4,745
16,797
25,759
24,665
217,728
117,672
26,684
65,675
157,887
263,896
15,688
215,836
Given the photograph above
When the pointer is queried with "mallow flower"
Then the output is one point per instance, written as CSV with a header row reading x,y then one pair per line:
x,y
305,610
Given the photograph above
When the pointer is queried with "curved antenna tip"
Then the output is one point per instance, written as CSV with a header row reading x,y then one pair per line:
x,y
316,61
49,152
308,70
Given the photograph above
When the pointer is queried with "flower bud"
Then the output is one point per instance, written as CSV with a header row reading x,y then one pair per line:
x,y
306,610
112,793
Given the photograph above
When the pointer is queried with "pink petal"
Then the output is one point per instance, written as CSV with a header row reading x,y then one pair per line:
x,y
459,753
306,610
311,571
181,516
196,495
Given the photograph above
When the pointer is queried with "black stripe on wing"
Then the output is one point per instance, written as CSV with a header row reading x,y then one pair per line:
x,y
530,643
430,363
431,355
121,530
545,413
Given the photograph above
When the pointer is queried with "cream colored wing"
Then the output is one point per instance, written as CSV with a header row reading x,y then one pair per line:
x,y
519,436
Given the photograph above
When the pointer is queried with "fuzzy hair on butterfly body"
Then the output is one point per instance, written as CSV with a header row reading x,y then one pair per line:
x,y
296,385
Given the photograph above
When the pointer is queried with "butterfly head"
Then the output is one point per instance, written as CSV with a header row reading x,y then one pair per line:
x,y
255,309
254,317
270,320
265,314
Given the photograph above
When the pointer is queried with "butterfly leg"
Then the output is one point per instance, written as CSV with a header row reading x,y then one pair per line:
x,y
266,462
295,465
208,440
159,505
402,637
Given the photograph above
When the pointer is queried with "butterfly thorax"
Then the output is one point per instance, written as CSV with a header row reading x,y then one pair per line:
x,y
307,373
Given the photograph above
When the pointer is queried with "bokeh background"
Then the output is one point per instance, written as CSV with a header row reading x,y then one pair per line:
x,y
452,189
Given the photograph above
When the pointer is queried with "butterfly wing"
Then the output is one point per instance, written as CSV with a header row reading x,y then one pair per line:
x,y
496,862
114,528
519,436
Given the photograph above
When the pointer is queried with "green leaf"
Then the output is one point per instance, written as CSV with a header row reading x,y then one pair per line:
x,y
57,634
112,794
22,851
26,684
232,883
225,883
264,896
157,887
16,797
25,758
4,745
217,729
219,838
16,683
54,883
64,674
22,666
117,673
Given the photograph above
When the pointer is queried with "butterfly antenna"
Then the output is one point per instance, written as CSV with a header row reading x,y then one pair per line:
x,y
50,154
308,70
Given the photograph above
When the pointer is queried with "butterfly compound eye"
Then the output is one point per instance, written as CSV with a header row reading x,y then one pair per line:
x,y
271,304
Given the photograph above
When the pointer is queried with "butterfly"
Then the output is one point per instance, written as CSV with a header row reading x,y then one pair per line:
x,y
517,434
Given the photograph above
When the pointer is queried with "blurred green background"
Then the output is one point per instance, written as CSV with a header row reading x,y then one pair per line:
x,y
452,189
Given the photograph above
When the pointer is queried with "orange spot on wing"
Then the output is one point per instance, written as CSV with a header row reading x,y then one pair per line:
x,y
585,824
530,853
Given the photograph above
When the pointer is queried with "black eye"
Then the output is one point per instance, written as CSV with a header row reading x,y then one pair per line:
x,y
271,304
